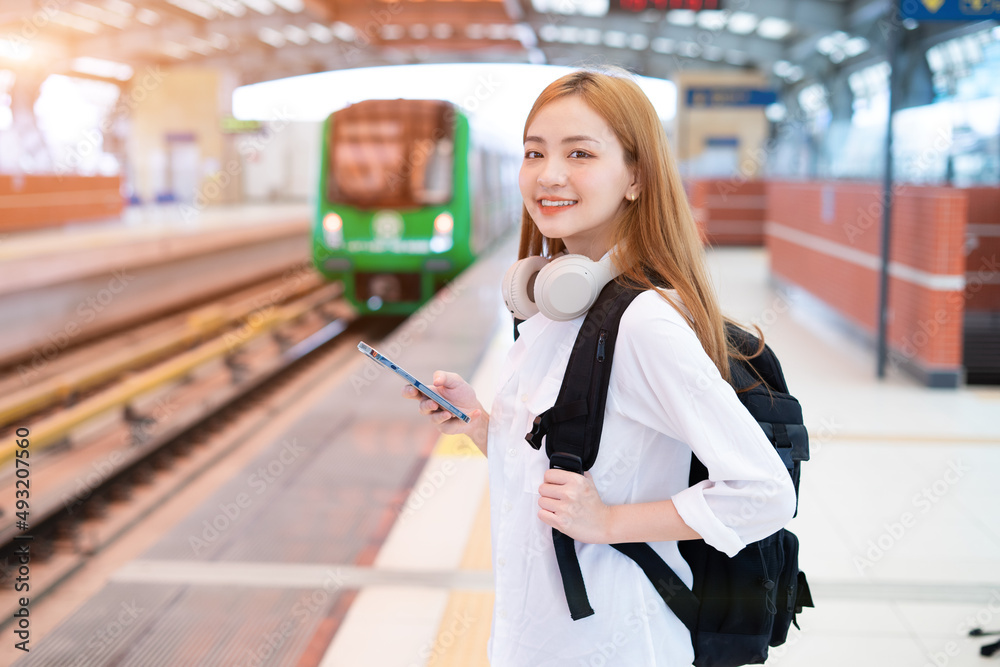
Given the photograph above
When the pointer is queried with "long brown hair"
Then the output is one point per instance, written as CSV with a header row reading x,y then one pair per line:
x,y
656,236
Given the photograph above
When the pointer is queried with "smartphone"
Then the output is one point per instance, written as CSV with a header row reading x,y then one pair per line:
x,y
371,353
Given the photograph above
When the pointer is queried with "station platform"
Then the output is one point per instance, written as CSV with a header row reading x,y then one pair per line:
x,y
141,235
351,534
79,281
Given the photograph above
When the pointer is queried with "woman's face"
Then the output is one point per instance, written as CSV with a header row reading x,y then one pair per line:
x,y
573,178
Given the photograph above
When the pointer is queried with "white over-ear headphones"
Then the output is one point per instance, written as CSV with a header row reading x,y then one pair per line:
x,y
561,289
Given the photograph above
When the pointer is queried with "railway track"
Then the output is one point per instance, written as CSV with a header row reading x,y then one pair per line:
x,y
117,431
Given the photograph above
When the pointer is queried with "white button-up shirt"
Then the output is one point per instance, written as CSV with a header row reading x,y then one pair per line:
x,y
666,398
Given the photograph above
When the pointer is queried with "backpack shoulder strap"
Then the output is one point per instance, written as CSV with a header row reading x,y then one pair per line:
x,y
572,430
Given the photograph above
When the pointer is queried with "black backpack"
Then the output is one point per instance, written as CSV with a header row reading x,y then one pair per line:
x,y
737,606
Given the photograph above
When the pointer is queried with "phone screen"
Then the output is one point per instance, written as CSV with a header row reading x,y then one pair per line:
x,y
374,355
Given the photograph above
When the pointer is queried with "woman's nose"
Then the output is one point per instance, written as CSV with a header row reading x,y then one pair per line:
x,y
552,173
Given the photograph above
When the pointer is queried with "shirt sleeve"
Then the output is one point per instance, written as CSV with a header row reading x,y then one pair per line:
x,y
668,383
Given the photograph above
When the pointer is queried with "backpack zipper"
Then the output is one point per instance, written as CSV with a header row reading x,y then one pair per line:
x,y
600,345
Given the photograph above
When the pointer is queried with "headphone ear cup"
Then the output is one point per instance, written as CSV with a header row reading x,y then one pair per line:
x,y
569,285
515,286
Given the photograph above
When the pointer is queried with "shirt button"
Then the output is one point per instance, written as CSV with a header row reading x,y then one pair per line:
x,y
506,507
501,561
502,614
512,452
524,398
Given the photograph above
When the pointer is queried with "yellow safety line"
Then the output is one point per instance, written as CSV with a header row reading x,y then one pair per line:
x,y
465,625
456,445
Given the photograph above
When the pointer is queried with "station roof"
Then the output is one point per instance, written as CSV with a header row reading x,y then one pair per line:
x,y
269,39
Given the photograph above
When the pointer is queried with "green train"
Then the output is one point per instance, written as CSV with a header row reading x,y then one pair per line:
x,y
409,195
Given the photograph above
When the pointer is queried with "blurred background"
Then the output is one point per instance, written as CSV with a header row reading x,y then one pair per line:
x,y
206,204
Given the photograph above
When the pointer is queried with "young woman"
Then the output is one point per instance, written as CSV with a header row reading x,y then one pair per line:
x,y
598,175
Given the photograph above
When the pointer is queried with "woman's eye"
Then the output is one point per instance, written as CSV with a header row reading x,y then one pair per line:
x,y
531,153
582,154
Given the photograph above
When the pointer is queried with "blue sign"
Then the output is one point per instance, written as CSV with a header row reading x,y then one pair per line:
x,y
950,10
730,97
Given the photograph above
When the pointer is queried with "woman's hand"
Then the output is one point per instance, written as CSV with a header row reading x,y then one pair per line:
x,y
570,503
461,394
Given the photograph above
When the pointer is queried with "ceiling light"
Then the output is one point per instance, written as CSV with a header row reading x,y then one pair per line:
x,y
271,36
855,46
107,69
712,19
10,50
219,41
548,33
175,50
296,35
773,28
419,31
782,68
119,7
76,22
638,42
795,74
682,17
590,36
442,30
775,112
662,45
98,14
196,7
392,31
581,7
569,34
498,31
231,7
259,6
477,31
342,31
293,6
199,46
615,38
742,23
319,33
147,16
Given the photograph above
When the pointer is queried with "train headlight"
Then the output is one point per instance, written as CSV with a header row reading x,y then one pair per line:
x,y
333,230
444,223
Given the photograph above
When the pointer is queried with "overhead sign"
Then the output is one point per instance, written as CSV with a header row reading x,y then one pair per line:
x,y
950,10
665,5
230,125
730,97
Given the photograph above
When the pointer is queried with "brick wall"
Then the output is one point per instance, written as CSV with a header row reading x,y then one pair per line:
x,y
982,290
728,212
826,238
28,202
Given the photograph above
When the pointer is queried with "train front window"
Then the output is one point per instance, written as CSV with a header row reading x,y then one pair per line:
x,y
392,153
